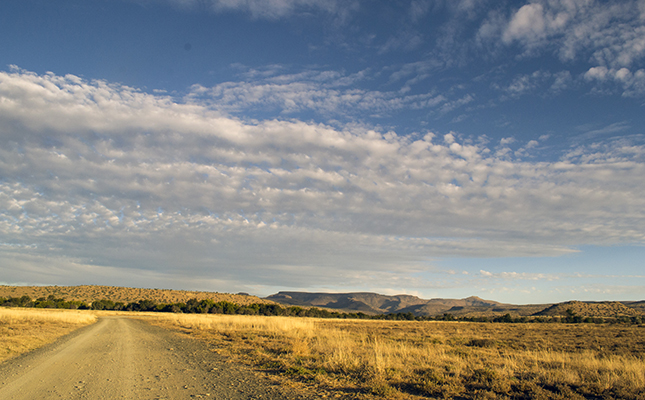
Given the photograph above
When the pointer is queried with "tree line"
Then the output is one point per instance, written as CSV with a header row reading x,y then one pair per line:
x,y
208,306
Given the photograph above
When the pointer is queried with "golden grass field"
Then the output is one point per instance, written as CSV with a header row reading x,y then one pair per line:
x,y
25,329
411,360
394,359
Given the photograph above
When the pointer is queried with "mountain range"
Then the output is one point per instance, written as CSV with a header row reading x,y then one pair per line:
x,y
373,303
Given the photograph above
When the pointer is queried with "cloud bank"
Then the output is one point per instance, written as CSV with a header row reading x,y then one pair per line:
x,y
106,177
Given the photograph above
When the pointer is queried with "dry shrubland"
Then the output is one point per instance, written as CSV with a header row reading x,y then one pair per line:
x,y
408,360
22,329
90,293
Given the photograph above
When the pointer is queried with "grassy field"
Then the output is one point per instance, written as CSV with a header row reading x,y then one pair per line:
x,y
410,360
395,359
23,329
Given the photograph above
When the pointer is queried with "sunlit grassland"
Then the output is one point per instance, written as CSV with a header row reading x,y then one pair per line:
x,y
395,359
22,329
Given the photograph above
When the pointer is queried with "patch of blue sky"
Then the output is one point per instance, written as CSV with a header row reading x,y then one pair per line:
x,y
585,266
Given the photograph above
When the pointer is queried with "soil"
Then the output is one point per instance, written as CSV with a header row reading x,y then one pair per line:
x,y
124,358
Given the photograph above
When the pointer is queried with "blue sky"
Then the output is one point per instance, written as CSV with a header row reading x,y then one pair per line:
x,y
436,148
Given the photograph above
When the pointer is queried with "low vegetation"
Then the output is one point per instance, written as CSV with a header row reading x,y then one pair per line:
x,y
22,330
208,306
407,360
89,293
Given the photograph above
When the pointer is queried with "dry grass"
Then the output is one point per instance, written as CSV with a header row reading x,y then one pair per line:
x,y
22,329
90,293
434,359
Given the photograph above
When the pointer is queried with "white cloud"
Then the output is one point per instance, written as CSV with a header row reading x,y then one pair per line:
x,y
512,275
274,9
328,93
103,172
531,144
561,81
610,35
633,83
523,84
453,105
528,25
609,129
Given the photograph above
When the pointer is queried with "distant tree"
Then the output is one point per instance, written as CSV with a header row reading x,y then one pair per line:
x,y
504,318
147,305
173,308
447,317
104,304
24,301
271,309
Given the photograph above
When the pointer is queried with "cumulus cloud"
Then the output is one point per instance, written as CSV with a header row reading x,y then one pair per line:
x,y
111,177
610,35
633,83
528,25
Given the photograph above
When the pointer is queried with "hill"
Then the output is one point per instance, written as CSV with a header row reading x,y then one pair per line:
x,y
605,309
636,305
373,303
90,293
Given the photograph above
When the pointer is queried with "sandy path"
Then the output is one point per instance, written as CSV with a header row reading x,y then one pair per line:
x,y
122,358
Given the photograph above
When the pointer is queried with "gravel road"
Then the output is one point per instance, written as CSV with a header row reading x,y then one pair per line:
x,y
123,358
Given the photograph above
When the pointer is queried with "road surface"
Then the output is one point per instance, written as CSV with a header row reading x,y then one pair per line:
x,y
123,358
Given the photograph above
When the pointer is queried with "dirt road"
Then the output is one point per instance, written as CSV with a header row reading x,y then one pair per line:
x,y
122,358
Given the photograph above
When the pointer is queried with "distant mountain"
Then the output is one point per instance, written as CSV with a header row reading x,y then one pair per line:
x,y
606,309
370,303
373,303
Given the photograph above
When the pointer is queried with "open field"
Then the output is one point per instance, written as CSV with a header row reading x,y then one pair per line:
x,y
22,329
410,360
369,359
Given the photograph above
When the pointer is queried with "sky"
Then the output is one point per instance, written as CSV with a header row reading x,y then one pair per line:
x,y
443,149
